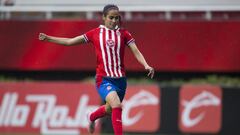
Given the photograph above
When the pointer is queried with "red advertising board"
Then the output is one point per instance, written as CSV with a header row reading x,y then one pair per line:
x,y
46,108
141,111
200,109
61,107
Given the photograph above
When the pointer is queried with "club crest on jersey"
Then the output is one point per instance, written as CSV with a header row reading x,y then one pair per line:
x,y
109,87
110,43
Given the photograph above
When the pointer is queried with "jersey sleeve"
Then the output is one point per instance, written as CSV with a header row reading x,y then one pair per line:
x,y
88,36
128,38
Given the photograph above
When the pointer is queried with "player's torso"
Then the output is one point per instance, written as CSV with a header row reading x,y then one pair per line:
x,y
109,46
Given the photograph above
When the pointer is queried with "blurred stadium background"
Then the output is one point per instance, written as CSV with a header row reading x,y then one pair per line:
x,y
194,46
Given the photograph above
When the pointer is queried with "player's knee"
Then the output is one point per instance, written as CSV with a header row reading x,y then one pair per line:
x,y
113,100
115,103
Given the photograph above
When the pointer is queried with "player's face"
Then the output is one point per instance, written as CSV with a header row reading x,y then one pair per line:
x,y
112,19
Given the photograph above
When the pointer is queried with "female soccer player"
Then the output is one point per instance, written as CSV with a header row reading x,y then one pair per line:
x,y
109,41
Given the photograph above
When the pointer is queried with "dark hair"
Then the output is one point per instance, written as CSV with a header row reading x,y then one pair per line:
x,y
109,7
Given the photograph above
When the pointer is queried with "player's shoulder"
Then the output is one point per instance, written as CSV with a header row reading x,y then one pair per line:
x,y
124,31
95,29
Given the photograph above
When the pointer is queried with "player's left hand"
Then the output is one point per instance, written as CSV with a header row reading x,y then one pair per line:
x,y
150,71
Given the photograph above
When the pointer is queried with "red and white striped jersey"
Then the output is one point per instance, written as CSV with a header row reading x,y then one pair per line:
x,y
109,47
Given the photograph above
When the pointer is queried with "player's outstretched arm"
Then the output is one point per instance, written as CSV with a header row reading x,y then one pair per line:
x,y
138,55
62,41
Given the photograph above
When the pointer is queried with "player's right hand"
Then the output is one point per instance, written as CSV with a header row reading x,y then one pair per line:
x,y
150,71
42,36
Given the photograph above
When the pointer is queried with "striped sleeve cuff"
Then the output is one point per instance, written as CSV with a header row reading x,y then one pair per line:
x,y
130,41
85,38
